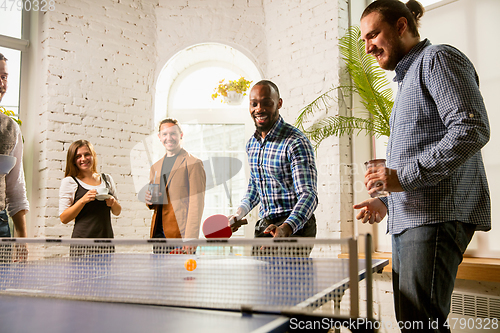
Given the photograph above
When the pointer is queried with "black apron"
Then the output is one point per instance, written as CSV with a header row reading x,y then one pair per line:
x,y
94,220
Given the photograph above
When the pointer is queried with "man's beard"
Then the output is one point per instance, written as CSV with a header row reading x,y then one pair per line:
x,y
397,53
266,127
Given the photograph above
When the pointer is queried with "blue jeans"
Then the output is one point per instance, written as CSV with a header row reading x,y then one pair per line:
x,y
424,267
4,224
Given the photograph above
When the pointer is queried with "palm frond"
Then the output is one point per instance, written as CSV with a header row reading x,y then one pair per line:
x,y
322,102
369,82
338,126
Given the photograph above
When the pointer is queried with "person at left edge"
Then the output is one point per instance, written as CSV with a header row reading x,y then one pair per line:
x,y
77,194
12,185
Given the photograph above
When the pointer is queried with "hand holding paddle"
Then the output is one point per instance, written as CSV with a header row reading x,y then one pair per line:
x,y
217,226
237,220
235,224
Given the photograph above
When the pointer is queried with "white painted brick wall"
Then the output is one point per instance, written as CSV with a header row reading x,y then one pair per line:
x,y
99,60
238,23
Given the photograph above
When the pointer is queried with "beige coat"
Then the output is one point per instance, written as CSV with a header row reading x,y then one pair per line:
x,y
181,216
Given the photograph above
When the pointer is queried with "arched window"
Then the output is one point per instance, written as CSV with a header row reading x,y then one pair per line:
x,y
215,132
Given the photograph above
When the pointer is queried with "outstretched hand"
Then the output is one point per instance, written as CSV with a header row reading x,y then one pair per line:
x,y
372,210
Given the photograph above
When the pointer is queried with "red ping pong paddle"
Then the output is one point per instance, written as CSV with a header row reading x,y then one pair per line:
x,y
217,226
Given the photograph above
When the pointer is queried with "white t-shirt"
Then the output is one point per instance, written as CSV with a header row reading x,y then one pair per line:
x,y
69,186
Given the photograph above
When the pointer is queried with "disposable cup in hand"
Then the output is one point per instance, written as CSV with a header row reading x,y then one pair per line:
x,y
378,164
154,189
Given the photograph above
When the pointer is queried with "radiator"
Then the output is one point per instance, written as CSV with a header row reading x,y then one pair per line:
x,y
471,313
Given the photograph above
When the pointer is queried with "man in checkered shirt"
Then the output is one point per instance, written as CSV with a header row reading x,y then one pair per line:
x,y
283,175
435,173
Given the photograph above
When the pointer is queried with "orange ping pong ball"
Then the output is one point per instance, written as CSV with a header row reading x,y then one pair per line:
x,y
190,264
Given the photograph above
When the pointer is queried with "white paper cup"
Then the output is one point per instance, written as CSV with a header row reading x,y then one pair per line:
x,y
102,191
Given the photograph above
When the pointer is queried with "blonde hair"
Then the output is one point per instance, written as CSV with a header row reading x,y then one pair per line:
x,y
71,168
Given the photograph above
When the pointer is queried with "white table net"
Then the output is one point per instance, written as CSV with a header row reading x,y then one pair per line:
x,y
250,275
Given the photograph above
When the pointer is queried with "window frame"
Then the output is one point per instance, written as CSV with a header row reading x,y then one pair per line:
x,y
20,44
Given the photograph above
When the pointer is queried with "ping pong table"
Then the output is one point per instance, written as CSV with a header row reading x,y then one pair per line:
x,y
150,292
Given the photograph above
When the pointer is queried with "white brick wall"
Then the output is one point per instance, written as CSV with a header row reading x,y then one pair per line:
x,y
99,60
238,23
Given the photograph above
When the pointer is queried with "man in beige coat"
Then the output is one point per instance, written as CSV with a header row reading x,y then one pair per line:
x,y
181,178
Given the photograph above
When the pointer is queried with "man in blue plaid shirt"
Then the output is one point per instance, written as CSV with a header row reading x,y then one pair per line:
x,y
435,173
283,175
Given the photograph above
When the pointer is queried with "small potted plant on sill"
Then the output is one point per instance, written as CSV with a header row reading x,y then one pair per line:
x,y
232,92
10,114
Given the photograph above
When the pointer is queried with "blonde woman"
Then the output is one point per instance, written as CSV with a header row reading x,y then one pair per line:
x,y
78,199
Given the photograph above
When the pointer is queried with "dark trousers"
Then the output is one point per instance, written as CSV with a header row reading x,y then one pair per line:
x,y
4,224
309,230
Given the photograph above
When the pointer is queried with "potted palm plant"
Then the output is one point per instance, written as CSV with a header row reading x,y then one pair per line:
x,y
368,81
232,92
